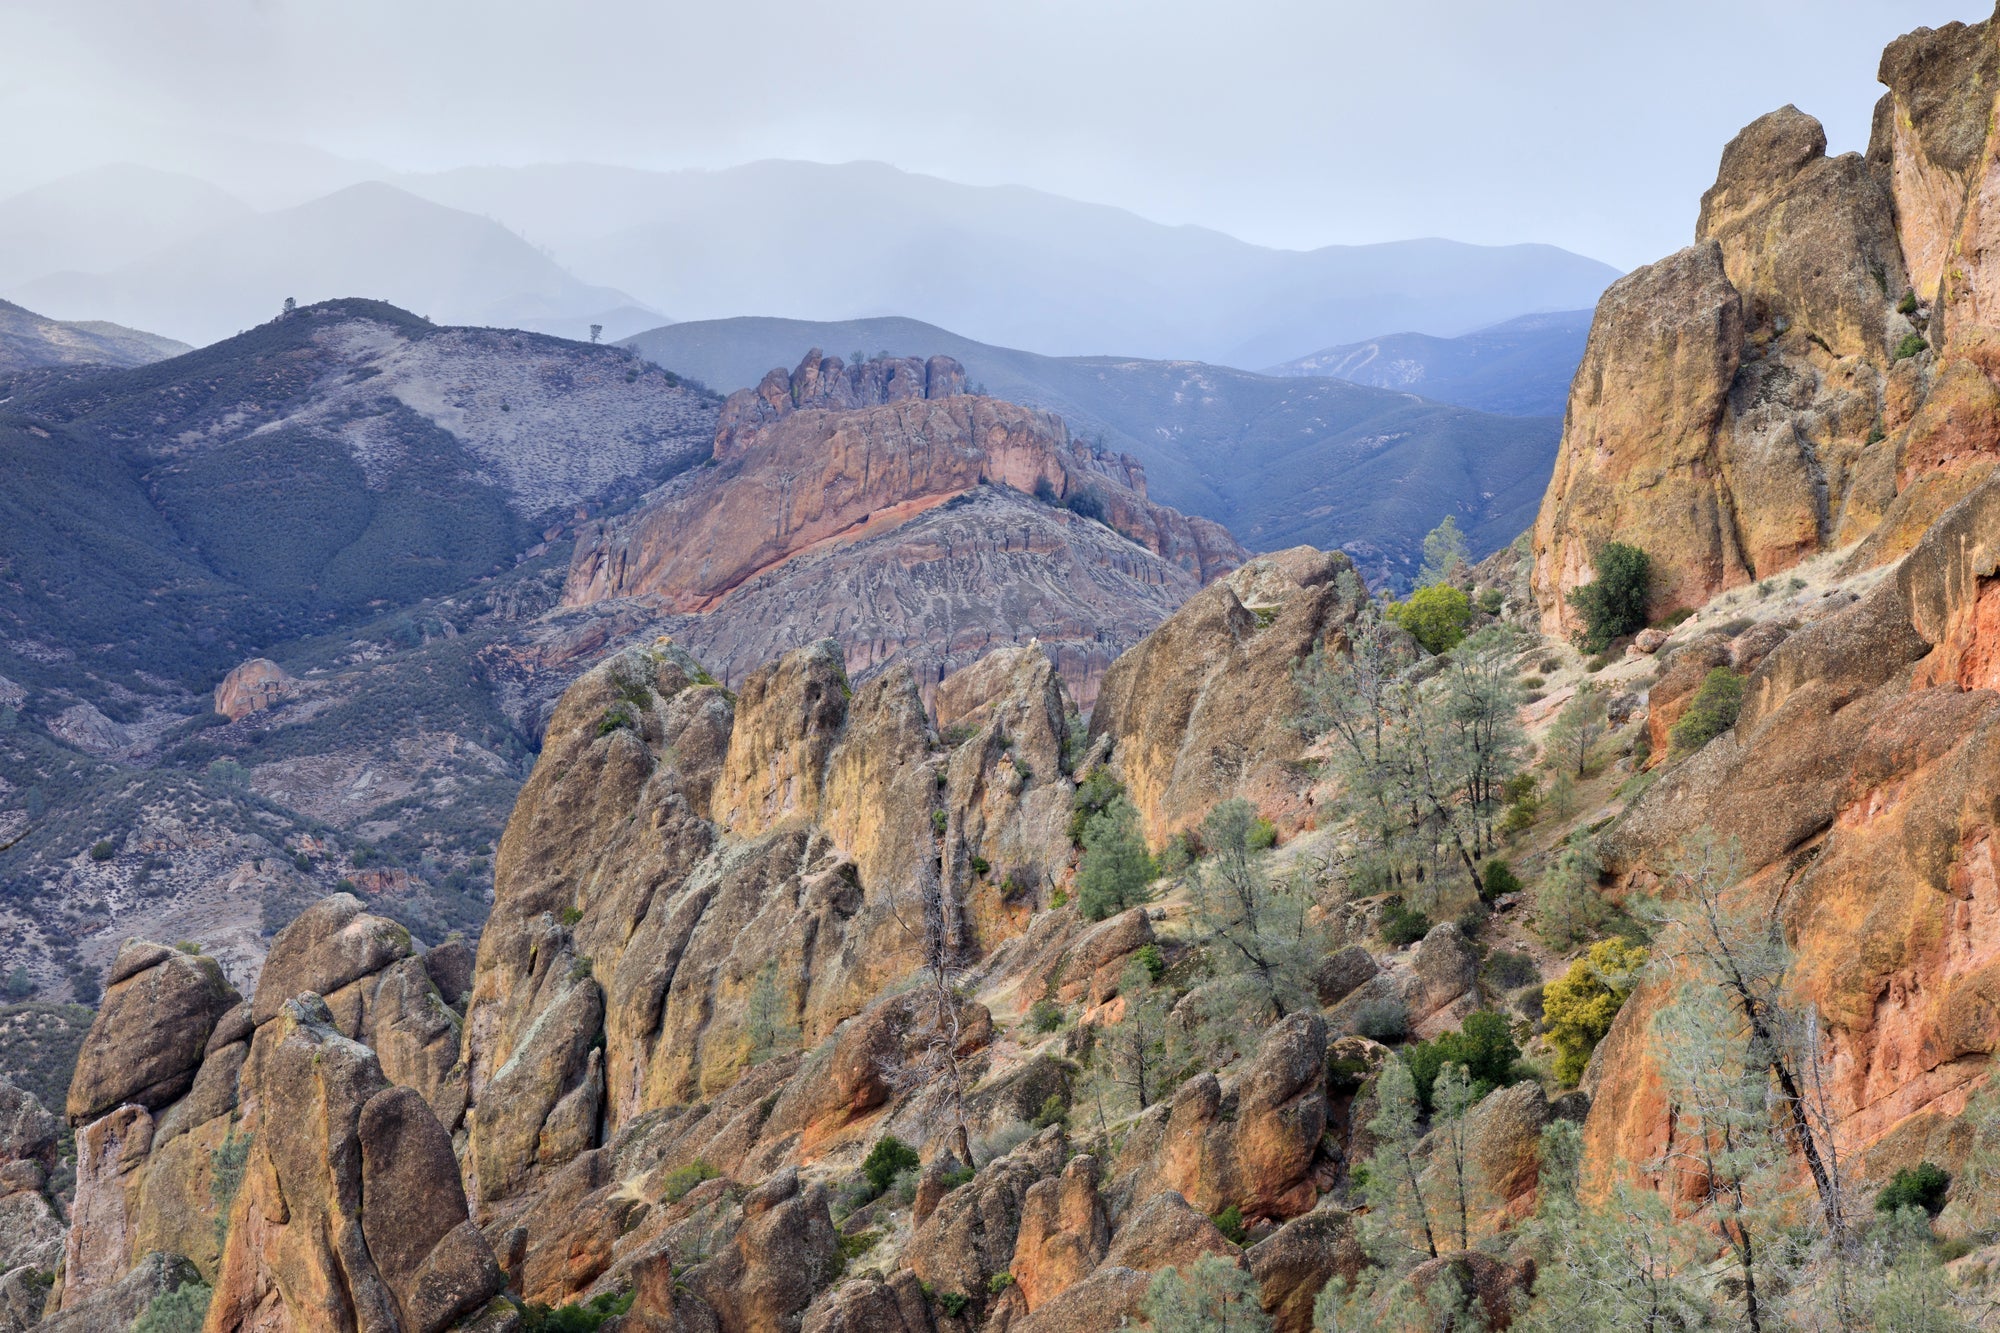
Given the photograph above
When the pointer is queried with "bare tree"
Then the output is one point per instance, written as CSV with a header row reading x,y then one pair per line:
x,y
933,1077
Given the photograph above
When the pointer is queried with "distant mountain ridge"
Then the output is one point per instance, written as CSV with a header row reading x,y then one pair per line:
x,y
1005,264
562,247
29,340
1278,461
1521,367
371,238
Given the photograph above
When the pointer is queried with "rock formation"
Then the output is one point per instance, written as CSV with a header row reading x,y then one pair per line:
x,y
1201,710
848,500
708,906
254,686
1814,370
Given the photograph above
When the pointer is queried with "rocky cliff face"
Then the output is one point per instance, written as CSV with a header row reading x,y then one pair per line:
x,y
1814,371
1857,783
1202,709
708,904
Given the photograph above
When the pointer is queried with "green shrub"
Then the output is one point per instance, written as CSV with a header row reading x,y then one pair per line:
x,y
1613,604
1908,305
1435,617
859,1243
1912,344
886,1159
1263,835
583,1317
1507,970
999,1282
1484,1045
102,850
1150,958
1055,1111
1712,711
181,1310
1230,1223
571,915
1045,1015
1093,794
1498,879
1402,925
981,866
1578,1006
1384,1020
681,1179
1490,601
1922,1186
953,1303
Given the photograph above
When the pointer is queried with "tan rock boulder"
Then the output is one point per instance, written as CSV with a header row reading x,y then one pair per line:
x,y
31,1231
351,1212
1063,1233
1637,458
254,686
111,1156
1109,1298
325,949
870,1305
785,1252
116,1306
1249,1142
1166,1232
973,1232
1007,798
1201,710
153,1024
1443,985
1293,1264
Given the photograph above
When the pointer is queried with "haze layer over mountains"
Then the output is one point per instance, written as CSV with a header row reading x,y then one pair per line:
x,y
559,248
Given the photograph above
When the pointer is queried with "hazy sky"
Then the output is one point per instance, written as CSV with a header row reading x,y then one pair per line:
x,y
1592,124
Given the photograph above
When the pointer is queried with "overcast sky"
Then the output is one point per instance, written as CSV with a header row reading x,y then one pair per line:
x,y
1592,124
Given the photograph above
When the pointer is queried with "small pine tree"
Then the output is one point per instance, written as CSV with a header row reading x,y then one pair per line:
x,y
1446,556
1214,1296
1116,871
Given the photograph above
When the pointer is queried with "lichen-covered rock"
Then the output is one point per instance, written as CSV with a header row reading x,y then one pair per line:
x,y
150,1031
1444,979
31,1232
1202,709
1293,1264
330,945
785,1252
1109,1298
1063,1233
115,1306
870,1305
972,1233
351,1212
1166,1232
1340,974
1249,1142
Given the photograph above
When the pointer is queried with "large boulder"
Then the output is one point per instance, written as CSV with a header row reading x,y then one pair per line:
x,y
150,1032
1293,1264
973,1232
1202,709
351,1211
31,1231
785,1252
330,945
1250,1142
1063,1233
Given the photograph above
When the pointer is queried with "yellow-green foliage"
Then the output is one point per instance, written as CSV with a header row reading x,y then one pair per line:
x,y
1435,616
1579,1006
